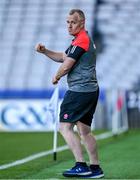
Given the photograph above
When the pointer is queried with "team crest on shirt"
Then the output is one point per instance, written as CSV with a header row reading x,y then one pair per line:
x,y
65,116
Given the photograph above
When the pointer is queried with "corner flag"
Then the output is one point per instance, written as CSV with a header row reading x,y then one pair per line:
x,y
53,104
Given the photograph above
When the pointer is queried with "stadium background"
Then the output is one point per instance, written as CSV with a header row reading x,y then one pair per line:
x,y
25,76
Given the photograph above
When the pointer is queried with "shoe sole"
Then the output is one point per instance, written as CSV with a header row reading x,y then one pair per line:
x,y
94,177
76,175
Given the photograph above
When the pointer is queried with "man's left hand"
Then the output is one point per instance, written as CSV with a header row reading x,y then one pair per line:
x,y
55,80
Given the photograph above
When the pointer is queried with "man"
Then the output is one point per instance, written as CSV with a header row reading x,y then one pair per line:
x,y
80,101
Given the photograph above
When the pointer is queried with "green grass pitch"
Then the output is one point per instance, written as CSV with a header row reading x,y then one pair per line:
x,y
119,156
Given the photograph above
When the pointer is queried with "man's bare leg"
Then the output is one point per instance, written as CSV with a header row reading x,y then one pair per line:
x,y
66,129
89,142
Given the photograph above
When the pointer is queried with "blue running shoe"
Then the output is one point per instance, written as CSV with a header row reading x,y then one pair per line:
x,y
96,174
78,170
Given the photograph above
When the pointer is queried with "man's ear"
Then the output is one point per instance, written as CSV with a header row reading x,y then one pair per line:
x,y
82,23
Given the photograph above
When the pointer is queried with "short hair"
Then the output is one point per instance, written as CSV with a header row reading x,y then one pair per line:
x,y
80,13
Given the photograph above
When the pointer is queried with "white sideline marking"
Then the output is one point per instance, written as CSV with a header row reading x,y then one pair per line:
x,y
45,153
32,157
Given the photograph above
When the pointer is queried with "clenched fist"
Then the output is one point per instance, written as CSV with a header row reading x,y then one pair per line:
x,y
40,48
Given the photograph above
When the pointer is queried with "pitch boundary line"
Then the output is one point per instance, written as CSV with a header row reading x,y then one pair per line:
x,y
45,153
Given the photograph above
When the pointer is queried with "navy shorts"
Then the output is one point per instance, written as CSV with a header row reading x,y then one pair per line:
x,y
78,106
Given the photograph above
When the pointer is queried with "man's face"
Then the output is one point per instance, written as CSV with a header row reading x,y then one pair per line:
x,y
74,24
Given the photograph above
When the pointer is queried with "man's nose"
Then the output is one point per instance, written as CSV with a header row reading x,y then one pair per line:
x,y
70,25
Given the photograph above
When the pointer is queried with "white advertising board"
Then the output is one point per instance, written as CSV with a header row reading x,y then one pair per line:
x,y
26,115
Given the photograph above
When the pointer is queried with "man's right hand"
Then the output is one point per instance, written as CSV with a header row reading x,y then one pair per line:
x,y
40,48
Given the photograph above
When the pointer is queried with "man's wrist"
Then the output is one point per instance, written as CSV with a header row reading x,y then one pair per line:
x,y
45,52
57,78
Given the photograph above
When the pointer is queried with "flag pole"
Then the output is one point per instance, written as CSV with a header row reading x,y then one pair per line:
x,y
55,145
56,92
55,142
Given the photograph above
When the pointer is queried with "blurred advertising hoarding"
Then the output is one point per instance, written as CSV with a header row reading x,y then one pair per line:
x,y
133,108
26,115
